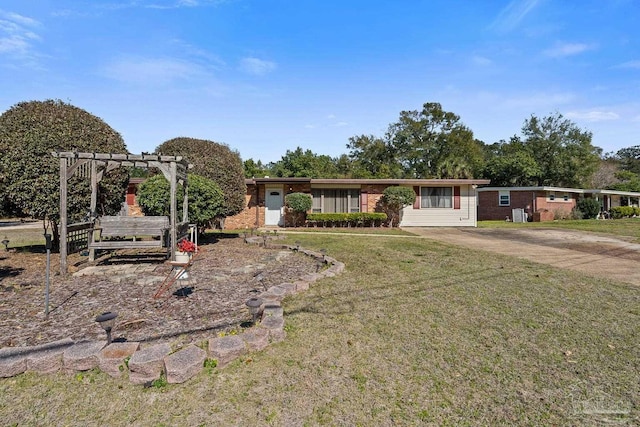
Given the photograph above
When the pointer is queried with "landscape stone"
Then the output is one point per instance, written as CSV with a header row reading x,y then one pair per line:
x,y
47,358
311,278
82,356
184,364
337,267
273,295
275,326
13,361
226,349
148,364
289,288
272,310
256,339
112,356
301,286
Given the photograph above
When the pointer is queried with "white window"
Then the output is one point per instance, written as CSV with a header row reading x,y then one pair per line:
x,y
552,196
436,197
504,198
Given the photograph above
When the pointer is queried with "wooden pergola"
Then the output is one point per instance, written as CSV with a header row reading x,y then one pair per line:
x,y
94,165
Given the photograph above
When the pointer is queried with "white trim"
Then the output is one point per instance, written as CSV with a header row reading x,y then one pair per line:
x,y
506,193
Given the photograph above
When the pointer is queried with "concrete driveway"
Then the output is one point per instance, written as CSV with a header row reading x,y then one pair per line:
x,y
597,255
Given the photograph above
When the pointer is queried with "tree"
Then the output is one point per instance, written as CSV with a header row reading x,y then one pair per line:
x,y
605,174
205,201
29,174
429,142
253,169
394,199
306,164
216,162
627,181
630,158
510,165
562,151
373,157
298,204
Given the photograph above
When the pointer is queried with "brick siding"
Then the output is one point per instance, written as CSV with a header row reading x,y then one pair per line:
x,y
530,201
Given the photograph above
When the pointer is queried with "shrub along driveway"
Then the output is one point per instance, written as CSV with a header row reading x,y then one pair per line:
x,y
603,256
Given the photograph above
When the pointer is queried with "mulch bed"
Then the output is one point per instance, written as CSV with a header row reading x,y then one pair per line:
x,y
224,275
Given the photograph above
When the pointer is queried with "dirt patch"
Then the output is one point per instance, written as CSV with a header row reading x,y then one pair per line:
x,y
593,254
224,275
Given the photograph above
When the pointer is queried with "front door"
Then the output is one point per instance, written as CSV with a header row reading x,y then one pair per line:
x,y
273,207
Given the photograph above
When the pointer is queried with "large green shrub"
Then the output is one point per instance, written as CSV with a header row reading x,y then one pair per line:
x,y
624,212
216,162
394,199
29,174
589,207
298,204
205,199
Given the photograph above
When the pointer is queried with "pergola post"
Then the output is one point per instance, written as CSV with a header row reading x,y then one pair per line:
x,y
173,201
94,204
63,216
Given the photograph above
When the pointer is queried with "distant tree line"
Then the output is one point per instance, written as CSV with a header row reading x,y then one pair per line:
x,y
433,143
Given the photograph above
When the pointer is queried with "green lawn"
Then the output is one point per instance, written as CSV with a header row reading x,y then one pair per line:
x,y
413,333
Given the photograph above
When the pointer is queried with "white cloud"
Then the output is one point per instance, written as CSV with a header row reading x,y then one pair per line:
x,y
17,35
20,20
567,49
165,4
511,16
14,45
593,116
630,64
539,100
257,67
151,70
481,61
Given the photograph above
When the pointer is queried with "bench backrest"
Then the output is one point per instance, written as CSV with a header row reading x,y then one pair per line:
x,y
133,226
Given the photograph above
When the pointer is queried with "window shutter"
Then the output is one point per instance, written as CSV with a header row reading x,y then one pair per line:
x,y
456,197
364,202
416,203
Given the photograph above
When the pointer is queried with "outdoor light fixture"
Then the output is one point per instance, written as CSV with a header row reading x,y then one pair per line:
x,y
254,305
107,321
5,242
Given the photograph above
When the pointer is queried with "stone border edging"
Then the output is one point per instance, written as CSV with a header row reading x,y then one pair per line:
x,y
151,363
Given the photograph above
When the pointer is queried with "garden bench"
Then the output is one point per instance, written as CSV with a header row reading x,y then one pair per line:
x,y
126,232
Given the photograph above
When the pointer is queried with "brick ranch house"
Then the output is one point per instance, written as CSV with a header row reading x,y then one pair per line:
x,y
544,203
439,202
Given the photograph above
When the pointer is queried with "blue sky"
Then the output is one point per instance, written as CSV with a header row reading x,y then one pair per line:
x,y
266,76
